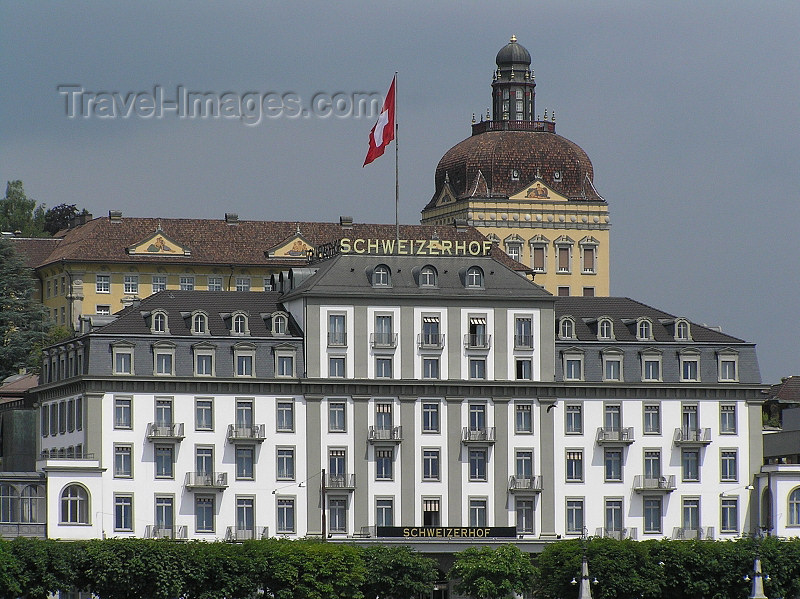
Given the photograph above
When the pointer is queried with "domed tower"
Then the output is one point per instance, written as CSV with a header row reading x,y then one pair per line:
x,y
527,188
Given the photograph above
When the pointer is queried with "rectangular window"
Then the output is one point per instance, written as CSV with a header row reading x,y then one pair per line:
x,y
122,412
164,363
727,419
383,368
563,259
383,464
430,512
652,420
70,416
163,412
538,258
122,461
690,369
164,455
652,515
204,364
244,365
523,333
336,416
652,370
215,283
285,469
613,521
267,284
477,368
612,420
337,463
204,414
574,516
524,464
244,462
430,368
524,369
383,417
574,420
524,516
477,416
337,334
477,512
285,416
165,514
123,512
285,365
727,369
62,417
244,413
337,514
285,515
430,332
729,471
430,464
612,369
123,362
575,465
242,283
131,284
383,336
430,418
204,461
524,420
45,425
336,367
689,422
384,511
691,514
588,259
652,465
204,513
730,515
245,516
573,368
103,283
613,463
690,464
187,283
477,464
102,310
159,283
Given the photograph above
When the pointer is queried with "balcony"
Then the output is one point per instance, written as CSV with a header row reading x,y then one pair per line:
x,y
385,435
337,339
206,481
623,533
233,534
165,432
662,484
241,434
480,436
703,533
615,436
430,341
477,341
523,341
691,436
341,482
383,340
530,484
155,531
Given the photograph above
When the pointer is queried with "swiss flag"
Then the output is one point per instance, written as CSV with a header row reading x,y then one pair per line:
x,y
383,131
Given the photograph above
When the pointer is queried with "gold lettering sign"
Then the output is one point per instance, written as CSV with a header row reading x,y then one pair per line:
x,y
414,247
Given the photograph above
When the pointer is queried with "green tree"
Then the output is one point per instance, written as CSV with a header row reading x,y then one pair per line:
x,y
23,324
58,217
18,213
216,571
10,573
492,574
397,573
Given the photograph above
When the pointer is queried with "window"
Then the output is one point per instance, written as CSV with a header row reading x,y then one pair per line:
x,y
102,310
524,508
612,420
682,331
477,368
430,332
123,359
383,368
427,277
204,414
165,359
477,512
383,464
430,417
159,323
245,515
613,463
242,283
690,368
430,512
523,464
70,416
573,367
384,512
727,419
165,514
477,416
574,516
728,470
689,422
523,333
337,514
267,284
215,283
383,337
567,328
588,259
477,464
123,512
514,250
652,419
794,507
337,335
74,505
564,258
285,469
605,329
279,324
204,513
691,514
539,255
62,417
652,465
644,330
336,416
244,356
728,367
240,325
652,515
613,509
49,286
651,367
524,369
164,455
563,291
45,425
285,416
204,462
54,418
430,368
612,366
159,283
199,324
575,465
284,365
523,420
187,283
103,283
122,412
336,366
244,462
574,420
474,277
130,284
430,464
729,521
122,461
285,515
381,276
690,464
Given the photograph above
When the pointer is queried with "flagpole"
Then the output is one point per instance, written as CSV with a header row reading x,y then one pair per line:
x,y
396,171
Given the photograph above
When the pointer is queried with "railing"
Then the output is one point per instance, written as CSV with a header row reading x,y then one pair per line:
x,y
692,436
522,484
172,431
618,534
63,454
383,339
480,435
206,480
340,481
615,435
690,534
154,531
477,341
523,341
661,483
246,433
23,529
385,434
540,126
246,534
337,338
430,340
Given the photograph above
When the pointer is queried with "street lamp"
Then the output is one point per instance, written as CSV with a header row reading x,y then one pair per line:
x,y
757,588
585,591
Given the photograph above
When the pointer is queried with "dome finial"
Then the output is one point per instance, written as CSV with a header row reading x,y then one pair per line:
x,y
513,39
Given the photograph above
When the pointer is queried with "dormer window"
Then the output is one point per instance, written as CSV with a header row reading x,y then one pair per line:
x,y
644,330
605,328
199,324
279,322
427,277
159,323
474,277
682,331
240,325
381,276
567,328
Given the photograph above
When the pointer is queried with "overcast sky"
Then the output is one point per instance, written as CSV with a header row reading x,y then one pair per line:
x,y
690,112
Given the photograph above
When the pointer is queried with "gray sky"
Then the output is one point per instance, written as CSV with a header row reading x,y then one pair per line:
x,y
688,110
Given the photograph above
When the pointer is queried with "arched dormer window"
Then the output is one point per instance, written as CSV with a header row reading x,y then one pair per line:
x,y
644,329
428,276
199,323
381,276
158,324
74,505
682,330
566,328
239,324
474,277
279,323
605,328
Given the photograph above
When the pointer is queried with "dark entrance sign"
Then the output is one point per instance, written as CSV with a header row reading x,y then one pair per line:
x,y
447,532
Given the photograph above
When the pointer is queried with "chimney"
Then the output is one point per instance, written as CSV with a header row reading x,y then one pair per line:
x,y
346,222
231,218
115,216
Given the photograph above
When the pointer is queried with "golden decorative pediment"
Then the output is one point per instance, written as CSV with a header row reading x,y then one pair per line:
x,y
159,244
294,247
538,191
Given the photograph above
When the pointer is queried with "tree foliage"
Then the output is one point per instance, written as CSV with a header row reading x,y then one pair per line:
x,y
397,573
18,213
492,574
59,217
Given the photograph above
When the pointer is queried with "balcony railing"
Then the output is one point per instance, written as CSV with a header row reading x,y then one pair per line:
x,y
480,435
690,534
501,125
155,531
238,433
340,481
663,484
246,534
383,339
63,454
430,341
337,339
10,530
164,432
692,436
207,480
393,435
618,534
523,341
477,341
615,436
529,484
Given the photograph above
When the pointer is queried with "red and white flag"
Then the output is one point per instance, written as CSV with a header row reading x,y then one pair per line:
x,y
383,131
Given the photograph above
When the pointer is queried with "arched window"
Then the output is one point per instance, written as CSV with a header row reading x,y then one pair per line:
x,y
605,329
474,277
200,324
159,322
567,328
794,507
32,504
74,505
682,330
644,330
427,277
381,276
279,324
9,504
240,324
